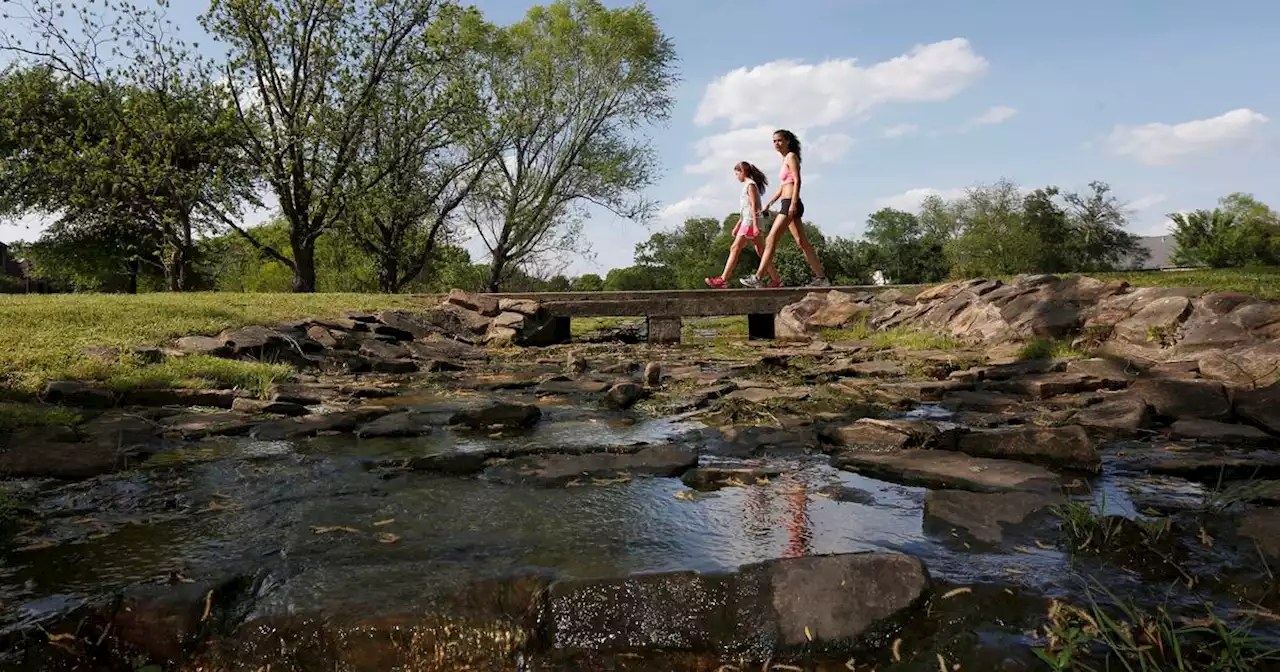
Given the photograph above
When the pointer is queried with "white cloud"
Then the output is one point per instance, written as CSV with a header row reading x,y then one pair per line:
x,y
1164,144
996,115
899,130
1147,202
911,199
806,95
718,153
712,199
828,148
27,228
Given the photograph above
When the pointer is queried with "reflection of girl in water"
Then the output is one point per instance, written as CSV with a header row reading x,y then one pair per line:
x,y
798,533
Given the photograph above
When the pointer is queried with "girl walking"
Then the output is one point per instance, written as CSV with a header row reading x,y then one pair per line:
x,y
789,218
748,228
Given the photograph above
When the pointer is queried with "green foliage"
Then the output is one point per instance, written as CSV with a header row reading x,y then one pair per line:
x,y
898,246
14,416
570,86
1240,232
587,283
639,277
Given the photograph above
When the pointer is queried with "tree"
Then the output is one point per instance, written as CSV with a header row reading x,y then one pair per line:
x,y
694,251
570,85
990,237
91,151
899,247
306,77
1205,238
1257,229
422,152
1048,232
1098,240
588,283
638,278
98,256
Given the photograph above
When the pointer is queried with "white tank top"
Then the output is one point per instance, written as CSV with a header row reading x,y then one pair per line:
x,y
747,212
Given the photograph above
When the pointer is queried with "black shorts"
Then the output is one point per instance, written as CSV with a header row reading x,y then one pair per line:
x,y
786,208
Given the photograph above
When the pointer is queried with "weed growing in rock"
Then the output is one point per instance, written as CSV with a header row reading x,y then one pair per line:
x,y
197,372
13,416
1123,637
1045,348
1085,528
896,338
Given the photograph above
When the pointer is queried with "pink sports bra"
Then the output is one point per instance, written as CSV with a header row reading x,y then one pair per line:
x,y
786,177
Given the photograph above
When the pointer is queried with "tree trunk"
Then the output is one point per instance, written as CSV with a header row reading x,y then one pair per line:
x,y
496,268
131,283
388,274
304,260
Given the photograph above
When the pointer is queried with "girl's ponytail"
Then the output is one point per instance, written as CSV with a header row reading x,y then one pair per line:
x,y
751,171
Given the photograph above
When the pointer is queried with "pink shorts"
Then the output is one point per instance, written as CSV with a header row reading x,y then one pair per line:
x,y
746,229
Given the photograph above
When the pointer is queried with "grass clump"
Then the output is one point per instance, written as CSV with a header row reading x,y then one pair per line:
x,y
1123,637
1085,528
14,416
1046,348
201,372
45,335
897,338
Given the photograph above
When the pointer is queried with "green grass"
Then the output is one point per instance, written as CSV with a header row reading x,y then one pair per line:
x,y
1045,348
13,416
44,335
1263,282
896,338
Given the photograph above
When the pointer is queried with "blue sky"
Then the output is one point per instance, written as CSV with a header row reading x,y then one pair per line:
x,y
1170,101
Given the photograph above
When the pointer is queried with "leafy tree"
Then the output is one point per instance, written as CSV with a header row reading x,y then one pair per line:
x,y
588,283
899,247
1205,238
1098,240
570,86
1048,233
422,152
162,156
990,236
98,256
694,251
308,77
637,278
1257,230
559,283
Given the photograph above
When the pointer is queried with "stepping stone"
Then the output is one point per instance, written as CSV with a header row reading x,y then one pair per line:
x,y
1068,446
983,515
1210,431
944,469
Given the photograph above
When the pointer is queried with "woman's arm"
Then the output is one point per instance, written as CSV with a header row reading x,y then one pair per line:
x,y
795,188
776,195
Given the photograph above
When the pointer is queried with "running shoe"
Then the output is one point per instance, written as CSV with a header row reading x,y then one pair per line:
x,y
714,283
820,282
775,285
750,281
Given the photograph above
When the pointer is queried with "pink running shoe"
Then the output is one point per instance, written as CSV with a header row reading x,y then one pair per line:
x,y
714,283
777,284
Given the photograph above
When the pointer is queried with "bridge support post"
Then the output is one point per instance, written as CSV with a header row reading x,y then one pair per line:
x,y
664,329
562,328
761,326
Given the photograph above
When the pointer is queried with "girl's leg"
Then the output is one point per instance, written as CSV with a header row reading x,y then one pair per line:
x,y
773,268
810,255
771,243
734,250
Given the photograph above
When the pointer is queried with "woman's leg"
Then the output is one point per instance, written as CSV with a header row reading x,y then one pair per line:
x,y
771,243
773,268
734,250
810,255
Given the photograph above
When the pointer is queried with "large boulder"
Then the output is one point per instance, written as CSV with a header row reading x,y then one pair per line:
x,y
817,311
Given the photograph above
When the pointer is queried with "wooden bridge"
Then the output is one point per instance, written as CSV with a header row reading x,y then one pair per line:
x,y
664,309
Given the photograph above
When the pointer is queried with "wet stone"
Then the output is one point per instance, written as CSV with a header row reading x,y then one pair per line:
x,y
1123,415
558,469
1184,398
180,397
497,414
310,425
73,393
195,426
944,469
408,423
839,492
707,478
984,515
986,402
1211,431
69,461
1206,465
562,386
1262,526
260,406
1260,407
625,395
874,434
1068,446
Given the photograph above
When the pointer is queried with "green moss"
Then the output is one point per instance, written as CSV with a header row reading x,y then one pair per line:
x,y
14,416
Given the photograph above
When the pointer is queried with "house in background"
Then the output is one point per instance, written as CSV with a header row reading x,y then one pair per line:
x,y
15,274
1160,249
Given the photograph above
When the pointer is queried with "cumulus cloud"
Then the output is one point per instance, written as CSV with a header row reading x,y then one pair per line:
x,y
711,199
911,199
1165,144
828,148
718,153
811,95
996,115
899,130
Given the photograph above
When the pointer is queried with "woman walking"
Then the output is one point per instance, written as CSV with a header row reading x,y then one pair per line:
x,y
789,217
748,228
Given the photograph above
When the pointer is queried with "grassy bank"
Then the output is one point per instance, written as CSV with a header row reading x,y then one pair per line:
x,y
1263,283
44,336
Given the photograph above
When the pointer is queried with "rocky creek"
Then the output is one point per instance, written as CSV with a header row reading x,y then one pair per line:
x,y
836,504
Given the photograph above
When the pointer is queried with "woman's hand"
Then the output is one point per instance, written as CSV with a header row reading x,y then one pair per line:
x,y
794,209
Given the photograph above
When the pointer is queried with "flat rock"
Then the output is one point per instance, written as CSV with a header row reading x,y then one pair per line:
x,y
838,492
739,441
874,434
1263,527
67,461
487,306
927,390
1184,398
1068,446
1211,431
403,424
180,397
560,386
1260,406
310,425
986,402
878,368
760,395
1204,465
203,345
946,469
759,611
1103,368
194,426
497,414
262,406
559,469
401,326
1050,385
119,431
1246,365
394,366
1122,415
625,395
984,515
378,350
715,477
74,393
